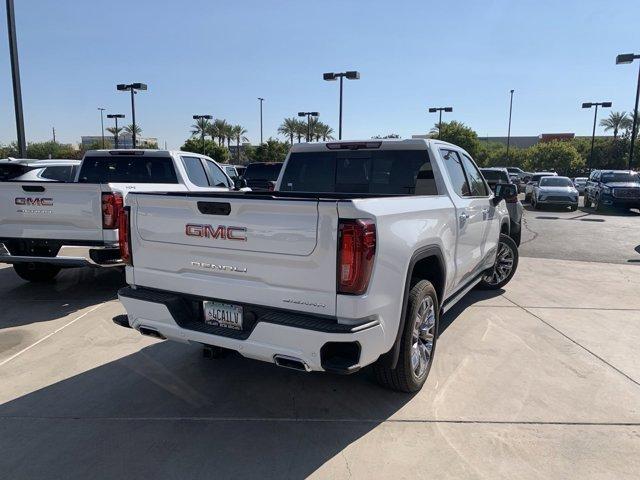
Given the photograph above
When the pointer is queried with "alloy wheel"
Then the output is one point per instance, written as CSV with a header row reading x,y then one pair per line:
x,y
423,335
503,265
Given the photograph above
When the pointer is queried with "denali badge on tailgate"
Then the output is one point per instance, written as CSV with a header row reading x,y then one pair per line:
x,y
222,232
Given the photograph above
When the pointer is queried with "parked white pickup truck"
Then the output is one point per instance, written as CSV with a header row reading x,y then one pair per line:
x,y
46,226
349,262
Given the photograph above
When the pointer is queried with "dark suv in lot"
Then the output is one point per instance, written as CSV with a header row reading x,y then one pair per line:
x,y
612,188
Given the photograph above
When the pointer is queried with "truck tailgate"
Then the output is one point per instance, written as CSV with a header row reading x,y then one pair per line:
x,y
50,210
271,252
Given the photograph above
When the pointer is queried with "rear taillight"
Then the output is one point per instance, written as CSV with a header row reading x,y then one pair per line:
x,y
112,205
356,252
124,238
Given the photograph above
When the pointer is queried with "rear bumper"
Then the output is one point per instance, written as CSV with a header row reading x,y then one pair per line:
x,y
268,332
70,256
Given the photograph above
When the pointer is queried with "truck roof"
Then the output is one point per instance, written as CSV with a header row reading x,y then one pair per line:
x,y
370,143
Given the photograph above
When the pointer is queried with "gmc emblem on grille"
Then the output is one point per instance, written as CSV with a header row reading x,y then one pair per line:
x,y
222,232
34,202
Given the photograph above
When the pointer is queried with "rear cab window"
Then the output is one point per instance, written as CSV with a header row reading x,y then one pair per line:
x,y
128,169
394,172
263,171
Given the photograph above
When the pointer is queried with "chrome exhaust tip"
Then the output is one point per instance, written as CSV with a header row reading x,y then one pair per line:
x,y
293,363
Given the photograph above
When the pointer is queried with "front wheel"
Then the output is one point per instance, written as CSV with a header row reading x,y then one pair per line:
x,y
36,272
587,202
417,344
504,267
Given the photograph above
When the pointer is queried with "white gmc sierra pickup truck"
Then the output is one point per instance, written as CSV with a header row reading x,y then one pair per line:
x,y
349,262
46,226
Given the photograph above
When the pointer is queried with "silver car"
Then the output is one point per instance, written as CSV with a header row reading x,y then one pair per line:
x,y
580,183
27,170
495,175
533,181
557,191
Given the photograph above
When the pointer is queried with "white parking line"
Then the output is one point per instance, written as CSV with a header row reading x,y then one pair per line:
x,y
17,354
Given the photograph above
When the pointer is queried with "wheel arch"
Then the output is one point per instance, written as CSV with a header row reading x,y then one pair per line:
x,y
426,263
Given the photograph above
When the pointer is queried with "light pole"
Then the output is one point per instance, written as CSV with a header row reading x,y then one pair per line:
x,y
15,75
132,87
440,110
332,77
595,117
509,129
102,123
115,116
628,58
202,117
308,115
261,100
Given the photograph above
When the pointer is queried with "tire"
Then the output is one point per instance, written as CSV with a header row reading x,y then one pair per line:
x,y
596,205
517,237
505,266
536,205
36,272
412,369
574,208
587,202
527,197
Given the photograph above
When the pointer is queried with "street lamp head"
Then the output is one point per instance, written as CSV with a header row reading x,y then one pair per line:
x,y
101,109
329,76
302,114
139,86
625,58
314,114
197,117
115,115
606,104
587,105
122,87
433,110
261,99
448,109
352,75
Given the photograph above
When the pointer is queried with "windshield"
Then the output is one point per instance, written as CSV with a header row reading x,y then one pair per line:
x,y
494,175
609,177
262,171
580,180
400,172
536,178
556,182
127,169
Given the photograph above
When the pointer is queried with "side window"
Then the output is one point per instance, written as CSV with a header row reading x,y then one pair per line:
x,y
453,164
195,171
61,174
218,178
476,182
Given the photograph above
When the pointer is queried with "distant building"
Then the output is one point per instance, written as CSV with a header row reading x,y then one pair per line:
x,y
125,140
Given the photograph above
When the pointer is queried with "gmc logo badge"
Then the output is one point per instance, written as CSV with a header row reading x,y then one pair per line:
x,y
34,202
222,232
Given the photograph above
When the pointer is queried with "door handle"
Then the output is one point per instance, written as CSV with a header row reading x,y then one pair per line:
x,y
485,213
463,217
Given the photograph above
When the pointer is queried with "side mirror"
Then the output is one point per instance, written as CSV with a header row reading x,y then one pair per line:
x,y
505,191
239,183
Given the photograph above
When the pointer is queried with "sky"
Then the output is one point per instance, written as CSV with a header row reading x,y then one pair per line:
x,y
215,57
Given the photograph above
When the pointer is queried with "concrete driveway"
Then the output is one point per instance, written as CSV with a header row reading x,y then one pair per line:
x,y
538,381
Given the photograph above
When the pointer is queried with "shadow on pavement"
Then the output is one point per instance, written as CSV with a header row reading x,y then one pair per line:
x,y
165,412
467,301
74,289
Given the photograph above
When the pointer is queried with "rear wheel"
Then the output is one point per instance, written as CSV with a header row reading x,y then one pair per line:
x,y
36,272
587,202
417,344
597,206
504,267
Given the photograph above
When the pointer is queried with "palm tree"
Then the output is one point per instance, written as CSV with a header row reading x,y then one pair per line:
x,y
617,121
289,128
114,131
218,130
229,134
239,134
323,131
201,127
301,130
129,129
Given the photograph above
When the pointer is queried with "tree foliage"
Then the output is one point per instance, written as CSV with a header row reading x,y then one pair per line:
x,y
272,150
459,134
219,153
563,157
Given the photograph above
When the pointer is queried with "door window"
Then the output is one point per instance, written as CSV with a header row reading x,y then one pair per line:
x,y
453,164
195,171
476,182
218,178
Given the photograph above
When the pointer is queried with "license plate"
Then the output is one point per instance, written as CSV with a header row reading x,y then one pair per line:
x,y
223,315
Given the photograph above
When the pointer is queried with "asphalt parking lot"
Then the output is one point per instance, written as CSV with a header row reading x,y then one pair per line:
x,y
541,380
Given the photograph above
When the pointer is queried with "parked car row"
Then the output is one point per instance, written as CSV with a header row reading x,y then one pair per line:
x,y
612,188
335,269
